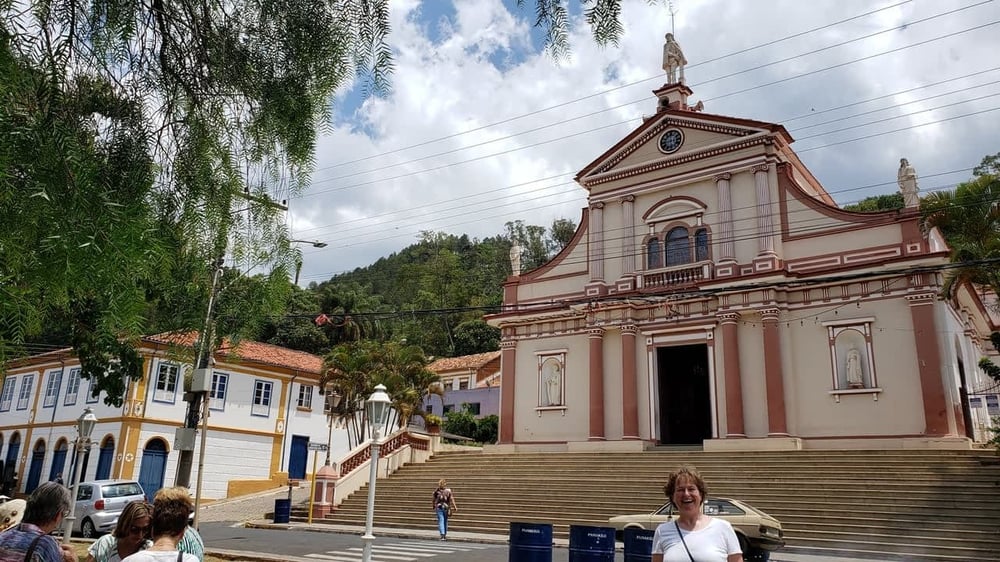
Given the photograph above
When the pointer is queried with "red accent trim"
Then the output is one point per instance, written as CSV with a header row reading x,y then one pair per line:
x,y
774,378
929,368
507,357
734,384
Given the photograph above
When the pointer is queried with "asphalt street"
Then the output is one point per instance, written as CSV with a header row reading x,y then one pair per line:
x,y
312,546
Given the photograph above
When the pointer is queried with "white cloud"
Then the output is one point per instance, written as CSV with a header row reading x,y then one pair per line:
x,y
472,73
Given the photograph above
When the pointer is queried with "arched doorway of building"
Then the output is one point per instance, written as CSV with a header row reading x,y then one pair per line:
x,y
684,394
9,485
35,469
105,457
154,466
963,392
59,460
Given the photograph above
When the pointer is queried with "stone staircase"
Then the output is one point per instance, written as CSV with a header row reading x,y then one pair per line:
x,y
909,505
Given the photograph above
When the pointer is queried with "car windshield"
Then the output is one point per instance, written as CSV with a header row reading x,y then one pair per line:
x,y
121,489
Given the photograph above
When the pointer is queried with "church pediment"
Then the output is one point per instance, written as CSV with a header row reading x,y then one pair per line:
x,y
676,137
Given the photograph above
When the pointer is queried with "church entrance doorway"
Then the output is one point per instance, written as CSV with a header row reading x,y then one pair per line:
x,y
684,394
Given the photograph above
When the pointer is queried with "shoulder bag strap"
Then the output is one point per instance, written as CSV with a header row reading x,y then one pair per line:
x,y
681,535
31,549
180,556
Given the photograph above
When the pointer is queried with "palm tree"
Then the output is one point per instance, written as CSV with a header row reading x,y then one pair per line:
x,y
969,219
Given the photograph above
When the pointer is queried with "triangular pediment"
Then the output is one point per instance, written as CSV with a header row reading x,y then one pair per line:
x,y
677,137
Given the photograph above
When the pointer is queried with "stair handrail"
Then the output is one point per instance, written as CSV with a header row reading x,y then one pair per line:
x,y
395,450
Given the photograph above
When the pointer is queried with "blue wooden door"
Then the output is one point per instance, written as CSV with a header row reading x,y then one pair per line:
x,y
154,464
59,463
104,459
12,450
297,457
35,470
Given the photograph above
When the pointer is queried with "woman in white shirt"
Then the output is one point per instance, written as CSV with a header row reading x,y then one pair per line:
x,y
693,536
169,523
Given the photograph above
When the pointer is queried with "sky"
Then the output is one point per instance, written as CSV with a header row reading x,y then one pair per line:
x,y
483,127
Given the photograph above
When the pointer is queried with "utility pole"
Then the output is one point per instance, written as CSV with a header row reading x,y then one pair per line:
x,y
185,437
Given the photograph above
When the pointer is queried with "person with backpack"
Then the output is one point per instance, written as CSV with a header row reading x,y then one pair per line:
x,y
30,540
444,506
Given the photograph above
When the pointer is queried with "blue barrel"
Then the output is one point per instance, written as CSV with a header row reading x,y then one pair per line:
x,y
282,510
638,545
591,544
530,542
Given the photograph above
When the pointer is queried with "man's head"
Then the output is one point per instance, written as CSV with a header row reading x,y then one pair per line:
x,y
47,506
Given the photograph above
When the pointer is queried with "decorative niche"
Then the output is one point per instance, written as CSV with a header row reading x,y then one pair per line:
x,y
852,358
551,381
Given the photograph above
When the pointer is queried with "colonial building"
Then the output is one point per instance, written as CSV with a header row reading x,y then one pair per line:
x,y
716,295
264,409
468,379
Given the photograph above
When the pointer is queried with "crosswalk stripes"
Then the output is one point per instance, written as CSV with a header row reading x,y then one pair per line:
x,y
398,551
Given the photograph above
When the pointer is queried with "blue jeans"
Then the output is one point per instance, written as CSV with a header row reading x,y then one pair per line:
x,y
442,513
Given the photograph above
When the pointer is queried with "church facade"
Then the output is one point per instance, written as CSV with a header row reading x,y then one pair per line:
x,y
716,295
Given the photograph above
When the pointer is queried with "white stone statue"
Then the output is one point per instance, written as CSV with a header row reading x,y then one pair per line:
x,y
855,374
552,378
515,259
907,178
673,60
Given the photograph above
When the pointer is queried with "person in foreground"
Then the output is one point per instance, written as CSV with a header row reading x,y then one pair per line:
x,y
191,542
131,534
169,522
693,536
444,506
30,540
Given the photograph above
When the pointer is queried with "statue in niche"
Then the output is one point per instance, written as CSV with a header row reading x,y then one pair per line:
x,y
515,259
673,60
907,179
853,369
552,378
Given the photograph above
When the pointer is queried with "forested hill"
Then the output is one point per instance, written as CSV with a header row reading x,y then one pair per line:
x,y
433,293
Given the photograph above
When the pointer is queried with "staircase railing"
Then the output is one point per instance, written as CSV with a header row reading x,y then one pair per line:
x,y
395,450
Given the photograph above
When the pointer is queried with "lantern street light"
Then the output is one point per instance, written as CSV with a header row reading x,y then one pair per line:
x,y
378,416
84,429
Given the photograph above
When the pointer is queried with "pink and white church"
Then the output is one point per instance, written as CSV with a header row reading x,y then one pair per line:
x,y
716,295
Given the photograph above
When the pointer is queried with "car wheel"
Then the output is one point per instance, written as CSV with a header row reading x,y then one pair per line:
x,y
87,529
744,545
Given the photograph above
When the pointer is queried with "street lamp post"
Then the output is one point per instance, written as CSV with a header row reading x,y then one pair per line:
x,y
378,416
84,429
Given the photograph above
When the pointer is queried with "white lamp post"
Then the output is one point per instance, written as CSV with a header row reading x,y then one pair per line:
x,y
378,416
84,429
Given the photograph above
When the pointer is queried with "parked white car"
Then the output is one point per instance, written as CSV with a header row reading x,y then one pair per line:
x,y
100,502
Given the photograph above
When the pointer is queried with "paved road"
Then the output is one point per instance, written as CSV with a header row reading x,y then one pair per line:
x,y
224,528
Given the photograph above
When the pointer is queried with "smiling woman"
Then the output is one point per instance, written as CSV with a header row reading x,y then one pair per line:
x,y
693,535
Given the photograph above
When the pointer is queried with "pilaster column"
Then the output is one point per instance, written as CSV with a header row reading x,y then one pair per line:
x,y
774,374
595,234
630,390
734,381
508,357
596,336
765,227
727,247
628,236
929,363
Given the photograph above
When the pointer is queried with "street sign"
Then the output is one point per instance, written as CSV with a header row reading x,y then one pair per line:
x,y
313,446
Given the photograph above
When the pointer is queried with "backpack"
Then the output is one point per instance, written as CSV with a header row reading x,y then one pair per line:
x,y
442,498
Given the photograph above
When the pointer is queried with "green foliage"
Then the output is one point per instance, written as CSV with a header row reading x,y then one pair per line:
x,y
488,429
969,219
461,422
877,203
990,369
353,369
603,17
476,336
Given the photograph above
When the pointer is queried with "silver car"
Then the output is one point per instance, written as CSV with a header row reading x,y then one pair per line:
x,y
100,502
